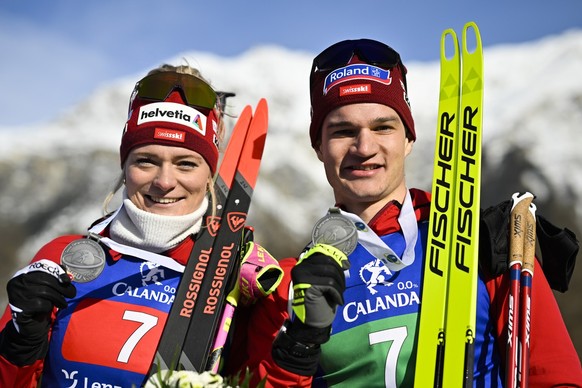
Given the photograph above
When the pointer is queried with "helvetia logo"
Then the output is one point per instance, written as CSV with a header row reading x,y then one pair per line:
x,y
171,112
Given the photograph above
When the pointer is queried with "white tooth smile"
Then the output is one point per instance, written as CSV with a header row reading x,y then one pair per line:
x,y
364,168
163,200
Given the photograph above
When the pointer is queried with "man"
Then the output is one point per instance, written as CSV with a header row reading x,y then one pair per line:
x,y
362,130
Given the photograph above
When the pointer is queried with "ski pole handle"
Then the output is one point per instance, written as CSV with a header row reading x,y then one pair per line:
x,y
526,287
519,211
529,246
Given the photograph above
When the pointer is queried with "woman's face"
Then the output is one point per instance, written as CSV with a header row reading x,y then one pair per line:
x,y
166,180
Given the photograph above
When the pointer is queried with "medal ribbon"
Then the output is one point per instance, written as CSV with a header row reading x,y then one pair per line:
x,y
378,248
141,254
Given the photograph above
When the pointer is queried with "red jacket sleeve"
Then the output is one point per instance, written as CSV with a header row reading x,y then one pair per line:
x,y
254,332
553,359
13,376
10,374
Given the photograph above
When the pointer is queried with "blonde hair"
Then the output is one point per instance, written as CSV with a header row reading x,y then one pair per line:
x,y
181,69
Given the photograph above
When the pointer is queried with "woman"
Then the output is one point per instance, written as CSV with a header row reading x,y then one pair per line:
x,y
121,278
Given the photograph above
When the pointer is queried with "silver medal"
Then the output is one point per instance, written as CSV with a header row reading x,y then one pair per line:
x,y
337,230
84,259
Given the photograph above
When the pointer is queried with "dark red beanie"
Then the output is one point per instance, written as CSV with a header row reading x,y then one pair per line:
x,y
171,123
358,82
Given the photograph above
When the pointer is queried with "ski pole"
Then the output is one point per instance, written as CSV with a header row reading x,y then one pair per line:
x,y
529,247
516,248
259,275
223,329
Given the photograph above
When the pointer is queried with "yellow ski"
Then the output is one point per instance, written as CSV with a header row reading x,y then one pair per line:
x,y
447,317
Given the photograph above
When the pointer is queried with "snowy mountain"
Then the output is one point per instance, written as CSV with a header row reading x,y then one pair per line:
x,y
55,176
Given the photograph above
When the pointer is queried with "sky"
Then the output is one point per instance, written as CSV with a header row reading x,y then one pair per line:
x,y
56,53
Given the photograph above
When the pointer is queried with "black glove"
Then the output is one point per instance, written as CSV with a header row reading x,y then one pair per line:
x,y
494,238
559,248
318,286
33,292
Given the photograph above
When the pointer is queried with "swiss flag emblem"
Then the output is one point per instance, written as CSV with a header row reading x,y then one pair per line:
x,y
236,220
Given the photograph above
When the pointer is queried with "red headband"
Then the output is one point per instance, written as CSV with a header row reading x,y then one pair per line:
x,y
357,82
171,123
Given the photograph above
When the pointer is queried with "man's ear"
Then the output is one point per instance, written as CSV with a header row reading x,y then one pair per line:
x,y
408,146
318,153
317,150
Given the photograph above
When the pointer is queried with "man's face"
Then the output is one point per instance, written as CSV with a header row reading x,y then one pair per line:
x,y
363,147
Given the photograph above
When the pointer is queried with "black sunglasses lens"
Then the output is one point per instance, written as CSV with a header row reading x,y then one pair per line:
x,y
333,56
378,53
371,51
159,85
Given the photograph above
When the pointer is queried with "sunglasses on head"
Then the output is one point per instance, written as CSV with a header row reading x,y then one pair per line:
x,y
158,87
370,51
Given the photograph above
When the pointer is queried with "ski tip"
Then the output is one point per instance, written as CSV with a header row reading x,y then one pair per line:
x,y
247,110
262,113
447,32
476,44
449,45
262,107
471,24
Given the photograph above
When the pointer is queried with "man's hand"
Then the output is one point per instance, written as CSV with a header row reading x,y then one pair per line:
x,y
319,284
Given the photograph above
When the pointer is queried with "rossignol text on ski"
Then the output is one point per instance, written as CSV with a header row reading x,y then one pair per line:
x,y
203,289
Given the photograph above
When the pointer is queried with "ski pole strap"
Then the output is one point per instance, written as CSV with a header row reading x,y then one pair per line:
x,y
260,273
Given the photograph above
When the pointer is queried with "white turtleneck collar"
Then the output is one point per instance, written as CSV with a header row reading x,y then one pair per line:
x,y
153,232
